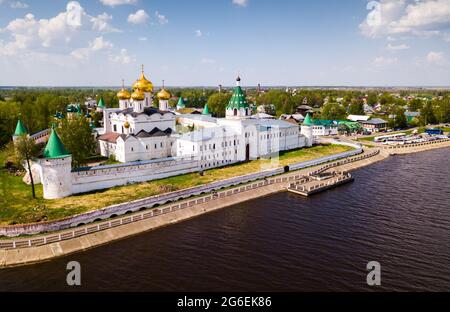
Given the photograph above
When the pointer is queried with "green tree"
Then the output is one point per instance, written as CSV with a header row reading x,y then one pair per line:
x,y
333,111
441,110
218,102
372,99
26,150
76,135
400,120
356,108
415,105
427,114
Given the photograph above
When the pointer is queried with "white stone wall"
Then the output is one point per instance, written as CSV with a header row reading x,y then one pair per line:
x,y
102,178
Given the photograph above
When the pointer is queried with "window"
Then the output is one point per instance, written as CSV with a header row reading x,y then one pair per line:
x,y
156,146
235,112
115,128
161,144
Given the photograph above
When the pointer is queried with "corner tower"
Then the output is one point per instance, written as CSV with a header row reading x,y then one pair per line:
x,y
307,130
56,169
20,130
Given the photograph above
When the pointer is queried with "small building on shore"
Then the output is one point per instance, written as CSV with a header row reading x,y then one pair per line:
x,y
374,125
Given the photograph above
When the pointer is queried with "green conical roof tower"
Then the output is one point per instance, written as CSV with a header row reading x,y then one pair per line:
x,y
20,129
101,103
55,148
181,103
238,99
308,120
206,110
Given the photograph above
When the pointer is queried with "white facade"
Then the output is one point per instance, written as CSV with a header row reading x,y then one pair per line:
x,y
324,130
233,141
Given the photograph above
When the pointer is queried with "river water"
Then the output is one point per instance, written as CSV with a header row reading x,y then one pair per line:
x,y
397,212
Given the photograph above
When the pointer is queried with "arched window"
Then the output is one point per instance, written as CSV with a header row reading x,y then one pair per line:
x,y
246,112
235,112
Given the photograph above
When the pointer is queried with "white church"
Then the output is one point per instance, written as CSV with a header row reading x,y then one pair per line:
x,y
146,141
136,131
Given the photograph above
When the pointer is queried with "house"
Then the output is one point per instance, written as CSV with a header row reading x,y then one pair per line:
x,y
411,115
358,118
321,127
374,125
304,109
294,118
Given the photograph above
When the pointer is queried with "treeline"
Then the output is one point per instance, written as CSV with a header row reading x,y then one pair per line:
x,y
38,106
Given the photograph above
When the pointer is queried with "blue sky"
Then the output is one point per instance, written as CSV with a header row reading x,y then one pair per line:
x,y
207,42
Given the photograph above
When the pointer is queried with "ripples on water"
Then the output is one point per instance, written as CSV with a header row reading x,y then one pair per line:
x,y
397,213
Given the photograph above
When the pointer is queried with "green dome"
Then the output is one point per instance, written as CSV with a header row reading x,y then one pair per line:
x,y
181,103
55,148
101,103
206,110
20,129
238,99
307,121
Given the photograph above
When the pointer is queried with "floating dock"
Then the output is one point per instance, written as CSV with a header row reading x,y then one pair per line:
x,y
309,185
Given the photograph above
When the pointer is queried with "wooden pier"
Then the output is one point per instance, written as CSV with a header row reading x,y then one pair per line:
x,y
309,185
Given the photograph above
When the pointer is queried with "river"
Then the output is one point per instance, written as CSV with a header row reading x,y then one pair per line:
x,y
397,212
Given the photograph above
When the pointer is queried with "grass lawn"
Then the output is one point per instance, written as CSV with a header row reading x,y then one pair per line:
x,y
367,139
17,206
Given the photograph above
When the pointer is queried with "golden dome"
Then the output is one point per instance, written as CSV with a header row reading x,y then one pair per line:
x,y
143,83
138,95
164,95
126,125
123,94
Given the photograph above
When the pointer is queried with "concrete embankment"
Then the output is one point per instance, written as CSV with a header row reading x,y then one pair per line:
x,y
168,214
416,148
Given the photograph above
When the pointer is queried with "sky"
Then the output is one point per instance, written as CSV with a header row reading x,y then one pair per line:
x,y
210,42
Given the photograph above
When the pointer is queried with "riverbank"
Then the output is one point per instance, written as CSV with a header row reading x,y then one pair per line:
x,y
20,208
169,214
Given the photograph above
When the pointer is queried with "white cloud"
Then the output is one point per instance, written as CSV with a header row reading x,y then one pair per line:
x,y
122,58
396,47
384,61
162,19
436,58
139,17
94,46
101,23
198,33
406,17
18,5
113,3
142,39
241,3
207,61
